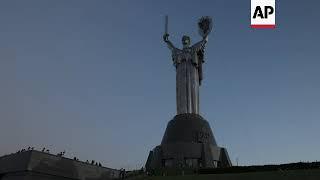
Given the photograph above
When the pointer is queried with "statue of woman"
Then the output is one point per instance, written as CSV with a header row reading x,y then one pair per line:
x,y
188,62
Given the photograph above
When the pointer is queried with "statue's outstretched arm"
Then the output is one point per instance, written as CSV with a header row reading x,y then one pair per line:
x,y
169,43
201,44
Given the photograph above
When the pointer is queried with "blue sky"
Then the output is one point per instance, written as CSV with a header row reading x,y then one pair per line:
x,y
95,79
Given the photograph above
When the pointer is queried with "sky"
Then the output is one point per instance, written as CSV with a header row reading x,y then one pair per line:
x,y
95,79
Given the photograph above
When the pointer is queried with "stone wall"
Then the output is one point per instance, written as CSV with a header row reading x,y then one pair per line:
x,y
40,165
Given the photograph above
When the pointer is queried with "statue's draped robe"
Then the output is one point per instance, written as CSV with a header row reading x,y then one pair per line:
x,y
188,63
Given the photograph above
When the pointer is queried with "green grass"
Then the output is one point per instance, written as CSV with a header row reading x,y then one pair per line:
x,y
310,174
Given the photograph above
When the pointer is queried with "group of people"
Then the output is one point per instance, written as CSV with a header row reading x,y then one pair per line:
x,y
24,150
45,150
32,148
122,173
60,154
94,163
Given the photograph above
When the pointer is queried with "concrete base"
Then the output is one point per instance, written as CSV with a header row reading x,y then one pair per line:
x,y
188,142
35,165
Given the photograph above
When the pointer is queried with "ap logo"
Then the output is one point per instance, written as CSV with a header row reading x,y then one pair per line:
x,y
263,13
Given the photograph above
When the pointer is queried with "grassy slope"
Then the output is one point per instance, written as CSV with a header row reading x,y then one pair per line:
x,y
313,174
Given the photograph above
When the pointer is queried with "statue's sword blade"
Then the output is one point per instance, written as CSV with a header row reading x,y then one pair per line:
x,y
166,24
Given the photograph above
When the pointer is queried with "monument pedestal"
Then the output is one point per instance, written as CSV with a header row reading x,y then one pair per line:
x,y
188,142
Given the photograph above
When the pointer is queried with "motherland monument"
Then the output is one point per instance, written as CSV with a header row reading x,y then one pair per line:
x,y
188,141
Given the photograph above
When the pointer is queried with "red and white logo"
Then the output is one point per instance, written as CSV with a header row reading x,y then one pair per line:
x,y
263,13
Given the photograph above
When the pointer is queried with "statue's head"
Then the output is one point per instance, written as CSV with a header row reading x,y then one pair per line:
x,y
186,41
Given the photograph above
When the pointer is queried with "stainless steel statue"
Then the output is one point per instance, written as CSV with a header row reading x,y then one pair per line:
x,y
188,62
188,141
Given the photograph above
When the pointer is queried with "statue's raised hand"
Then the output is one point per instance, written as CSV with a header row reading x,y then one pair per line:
x,y
166,37
168,42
